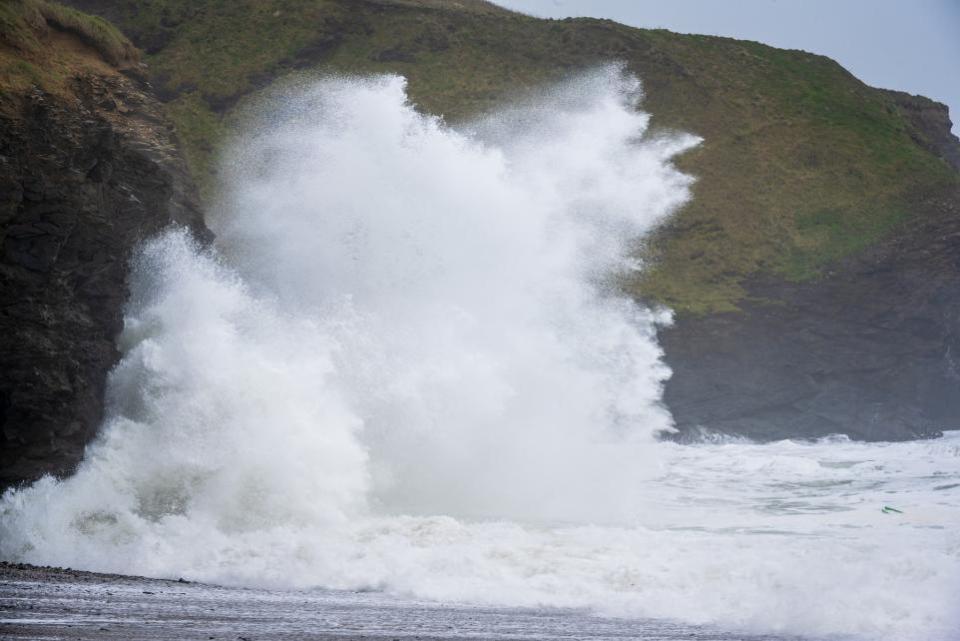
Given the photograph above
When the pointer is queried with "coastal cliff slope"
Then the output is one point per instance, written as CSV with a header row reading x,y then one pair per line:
x,y
88,168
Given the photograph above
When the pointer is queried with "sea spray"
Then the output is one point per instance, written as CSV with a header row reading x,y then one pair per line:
x,y
494,369
405,367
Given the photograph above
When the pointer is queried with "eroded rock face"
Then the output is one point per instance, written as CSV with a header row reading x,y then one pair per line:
x,y
872,350
931,126
83,179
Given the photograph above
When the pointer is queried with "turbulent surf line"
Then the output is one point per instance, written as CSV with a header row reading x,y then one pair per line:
x,y
406,366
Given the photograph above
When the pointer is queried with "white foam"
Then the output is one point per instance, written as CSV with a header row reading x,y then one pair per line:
x,y
403,367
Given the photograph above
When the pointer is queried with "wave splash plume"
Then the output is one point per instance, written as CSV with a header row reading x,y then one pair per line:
x,y
407,366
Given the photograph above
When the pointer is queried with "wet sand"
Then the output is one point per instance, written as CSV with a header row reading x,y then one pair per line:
x,y
55,603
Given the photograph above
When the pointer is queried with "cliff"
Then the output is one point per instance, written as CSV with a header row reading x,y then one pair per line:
x,y
88,168
868,350
929,125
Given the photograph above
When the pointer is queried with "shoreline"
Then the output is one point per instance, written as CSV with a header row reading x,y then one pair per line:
x,y
63,603
24,571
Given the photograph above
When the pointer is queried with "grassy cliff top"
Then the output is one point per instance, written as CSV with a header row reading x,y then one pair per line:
x,y
801,166
44,44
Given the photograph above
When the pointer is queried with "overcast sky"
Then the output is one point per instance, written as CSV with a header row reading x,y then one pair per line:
x,y
910,45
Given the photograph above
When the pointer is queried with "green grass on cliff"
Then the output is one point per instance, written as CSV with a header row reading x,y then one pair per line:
x,y
92,30
801,166
32,55
24,25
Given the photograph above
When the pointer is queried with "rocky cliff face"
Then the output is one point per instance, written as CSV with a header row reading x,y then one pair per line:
x,y
930,125
871,350
87,170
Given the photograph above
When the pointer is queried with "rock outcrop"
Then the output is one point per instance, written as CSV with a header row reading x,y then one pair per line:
x,y
930,125
871,350
88,169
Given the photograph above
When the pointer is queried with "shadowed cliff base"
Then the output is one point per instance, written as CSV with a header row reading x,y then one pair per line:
x,y
869,349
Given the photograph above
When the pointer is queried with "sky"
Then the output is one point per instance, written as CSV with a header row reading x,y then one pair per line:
x,y
910,45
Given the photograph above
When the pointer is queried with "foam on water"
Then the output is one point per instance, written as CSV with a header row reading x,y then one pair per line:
x,y
405,367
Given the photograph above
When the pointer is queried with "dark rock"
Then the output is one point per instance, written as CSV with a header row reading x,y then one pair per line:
x,y
83,180
930,125
870,350
315,51
396,54
220,102
433,40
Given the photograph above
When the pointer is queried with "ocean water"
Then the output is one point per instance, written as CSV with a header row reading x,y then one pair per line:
x,y
406,367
